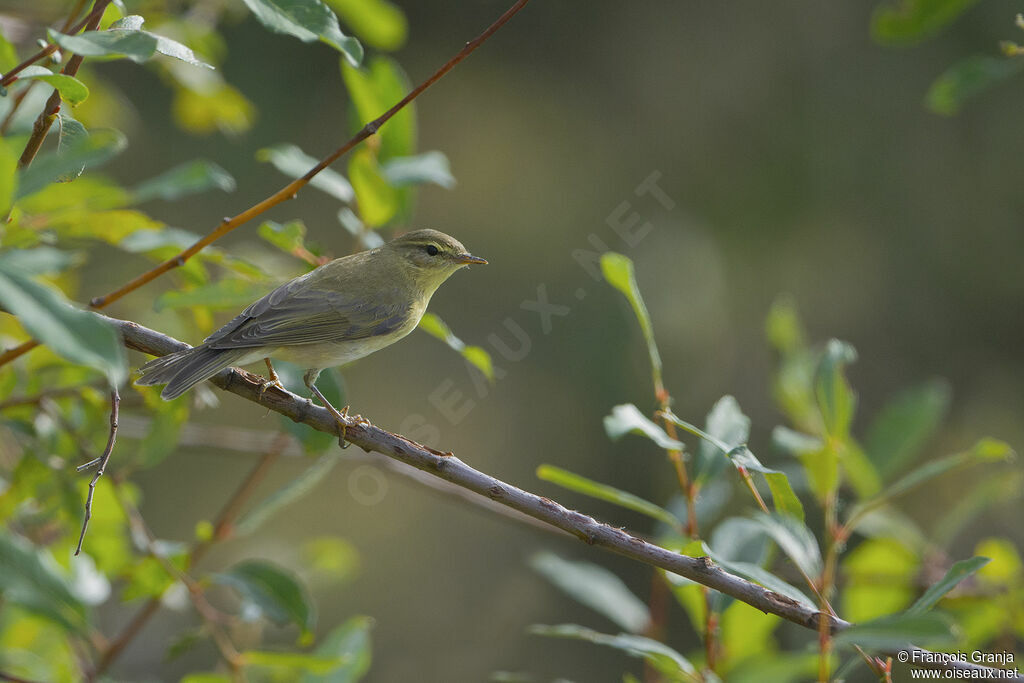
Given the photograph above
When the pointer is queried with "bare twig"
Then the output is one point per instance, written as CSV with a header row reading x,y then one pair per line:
x,y
450,468
100,463
289,191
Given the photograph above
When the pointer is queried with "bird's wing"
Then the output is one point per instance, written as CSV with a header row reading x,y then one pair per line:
x,y
299,312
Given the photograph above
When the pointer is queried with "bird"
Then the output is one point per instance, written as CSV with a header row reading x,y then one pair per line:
x,y
337,313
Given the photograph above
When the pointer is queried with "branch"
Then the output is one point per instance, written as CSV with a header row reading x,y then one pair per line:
x,y
449,468
249,441
101,465
289,191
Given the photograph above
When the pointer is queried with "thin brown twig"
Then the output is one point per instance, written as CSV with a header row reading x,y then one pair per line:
x,y
24,92
450,468
12,75
100,463
289,191
41,128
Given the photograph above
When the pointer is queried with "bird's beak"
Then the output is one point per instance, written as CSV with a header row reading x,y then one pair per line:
x,y
467,259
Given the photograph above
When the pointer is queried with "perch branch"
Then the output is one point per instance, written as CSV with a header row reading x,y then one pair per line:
x,y
289,191
451,469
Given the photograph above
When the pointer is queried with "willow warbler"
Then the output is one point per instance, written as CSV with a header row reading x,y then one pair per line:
x,y
342,311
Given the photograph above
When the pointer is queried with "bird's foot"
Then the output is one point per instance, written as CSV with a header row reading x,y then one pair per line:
x,y
268,383
274,380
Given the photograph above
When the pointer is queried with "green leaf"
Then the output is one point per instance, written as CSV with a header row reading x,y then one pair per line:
x,y
783,327
294,163
595,587
476,356
228,293
8,175
39,260
29,578
898,632
272,591
957,573
618,271
205,677
859,470
8,54
904,425
986,450
355,227
377,200
330,557
70,135
149,578
879,577
91,150
72,90
835,397
660,656
610,494
292,491
292,661
218,108
378,23
135,45
997,489
288,237
429,167
727,423
79,336
349,642
307,20
757,574
627,419
784,497
906,22
374,90
794,539
967,79
125,39
188,178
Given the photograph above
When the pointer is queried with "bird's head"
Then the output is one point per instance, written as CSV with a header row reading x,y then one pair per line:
x,y
430,257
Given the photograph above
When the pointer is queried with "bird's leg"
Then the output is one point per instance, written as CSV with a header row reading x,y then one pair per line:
x,y
341,416
274,380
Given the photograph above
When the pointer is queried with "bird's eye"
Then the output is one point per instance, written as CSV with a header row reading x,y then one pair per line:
x,y
432,250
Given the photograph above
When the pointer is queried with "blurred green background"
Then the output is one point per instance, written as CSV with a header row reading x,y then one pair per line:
x,y
800,159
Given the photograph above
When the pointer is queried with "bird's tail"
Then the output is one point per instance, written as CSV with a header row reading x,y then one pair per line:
x,y
183,370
